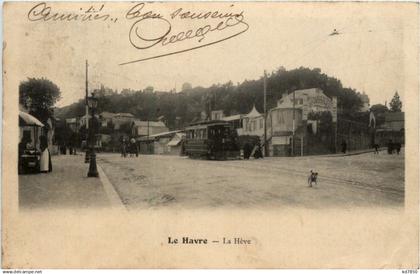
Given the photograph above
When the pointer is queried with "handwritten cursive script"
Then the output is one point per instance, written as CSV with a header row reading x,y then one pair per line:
x,y
150,29
164,36
44,12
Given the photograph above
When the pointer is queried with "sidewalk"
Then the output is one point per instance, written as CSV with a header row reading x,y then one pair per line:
x,y
354,152
67,186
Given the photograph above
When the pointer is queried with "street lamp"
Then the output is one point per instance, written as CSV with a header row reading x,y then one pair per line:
x,y
92,103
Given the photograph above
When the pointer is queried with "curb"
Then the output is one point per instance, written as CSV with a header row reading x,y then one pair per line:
x,y
113,196
354,153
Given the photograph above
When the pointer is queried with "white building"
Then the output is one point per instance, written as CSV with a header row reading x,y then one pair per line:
x,y
253,123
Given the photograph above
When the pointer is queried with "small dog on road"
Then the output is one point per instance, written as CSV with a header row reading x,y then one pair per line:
x,y
312,178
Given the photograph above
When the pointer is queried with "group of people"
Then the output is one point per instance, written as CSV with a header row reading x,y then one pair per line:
x,y
248,149
129,147
393,146
27,149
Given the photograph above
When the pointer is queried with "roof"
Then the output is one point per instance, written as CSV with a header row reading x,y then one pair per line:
x,y
394,116
253,113
162,134
124,114
25,119
307,90
106,114
139,123
176,139
232,117
204,123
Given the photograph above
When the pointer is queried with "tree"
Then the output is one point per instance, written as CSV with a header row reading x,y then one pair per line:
x,y
379,108
186,86
39,97
395,103
182,108
149,89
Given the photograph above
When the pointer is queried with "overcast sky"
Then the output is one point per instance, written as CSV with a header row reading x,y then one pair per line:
x,y
368,54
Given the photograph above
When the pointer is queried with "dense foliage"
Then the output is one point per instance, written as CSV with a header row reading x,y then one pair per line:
x,y
395,104
39,97
183,107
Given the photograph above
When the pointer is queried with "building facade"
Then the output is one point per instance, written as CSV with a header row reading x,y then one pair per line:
x,y
147,128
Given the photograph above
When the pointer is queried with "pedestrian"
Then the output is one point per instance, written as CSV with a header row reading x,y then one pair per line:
x,y
398,147
344,146
390,147
258,152
133,148
123,148
45,164
376,147
247,150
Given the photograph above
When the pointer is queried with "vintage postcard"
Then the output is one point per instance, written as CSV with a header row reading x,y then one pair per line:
x,y
210,135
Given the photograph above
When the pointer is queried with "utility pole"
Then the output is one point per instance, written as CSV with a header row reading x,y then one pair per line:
x,y
87,115
86,97
293,125
265,115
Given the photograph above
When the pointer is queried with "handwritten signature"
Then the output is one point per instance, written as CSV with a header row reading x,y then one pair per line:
x,y
163,35
151,29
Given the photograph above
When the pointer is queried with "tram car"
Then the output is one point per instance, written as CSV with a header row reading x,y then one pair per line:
x,y
215,140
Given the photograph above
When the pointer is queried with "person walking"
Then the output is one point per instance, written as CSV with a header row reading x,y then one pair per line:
x,y
45,162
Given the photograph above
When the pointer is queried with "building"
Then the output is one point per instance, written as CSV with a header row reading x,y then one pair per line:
x,y
106,118
120,119
284,127
253,123
216,115
309,100
162,143
146,128
392,129
236,122
394,121
293,126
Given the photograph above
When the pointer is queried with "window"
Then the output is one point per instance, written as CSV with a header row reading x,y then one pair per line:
x,y
261,123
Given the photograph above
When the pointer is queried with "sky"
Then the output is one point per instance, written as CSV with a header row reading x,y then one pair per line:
x,y
371,53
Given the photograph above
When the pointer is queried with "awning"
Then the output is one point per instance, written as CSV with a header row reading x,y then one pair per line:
x,y
25,119
174,142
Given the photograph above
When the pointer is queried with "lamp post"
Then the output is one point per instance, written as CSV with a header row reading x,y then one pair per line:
x,y
93,171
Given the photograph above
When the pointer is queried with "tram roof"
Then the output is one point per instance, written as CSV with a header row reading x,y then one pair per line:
x,y
207,123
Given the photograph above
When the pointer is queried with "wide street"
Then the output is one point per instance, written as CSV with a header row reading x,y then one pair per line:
x,y
156,181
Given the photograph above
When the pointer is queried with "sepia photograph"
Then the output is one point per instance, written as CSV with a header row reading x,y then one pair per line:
x,y
146,109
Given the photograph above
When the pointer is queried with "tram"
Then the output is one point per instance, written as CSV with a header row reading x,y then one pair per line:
x,y
215,140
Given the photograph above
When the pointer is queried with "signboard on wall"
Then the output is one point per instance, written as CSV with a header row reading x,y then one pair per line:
x,y
280,140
